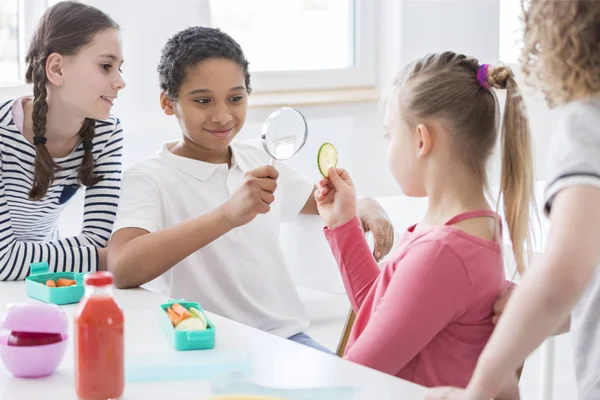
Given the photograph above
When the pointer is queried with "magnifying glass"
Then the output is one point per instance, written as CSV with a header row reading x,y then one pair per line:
x,y
284,134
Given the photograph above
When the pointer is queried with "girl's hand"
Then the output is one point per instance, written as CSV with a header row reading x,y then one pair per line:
x,y
336,198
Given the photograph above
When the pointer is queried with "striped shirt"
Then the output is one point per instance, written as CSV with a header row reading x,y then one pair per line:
x,y
28,229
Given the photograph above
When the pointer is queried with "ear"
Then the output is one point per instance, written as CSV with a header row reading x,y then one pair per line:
x,y
54,69
167,104
424,140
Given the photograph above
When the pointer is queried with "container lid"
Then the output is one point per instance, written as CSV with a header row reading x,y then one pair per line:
x,y
40,318
102,278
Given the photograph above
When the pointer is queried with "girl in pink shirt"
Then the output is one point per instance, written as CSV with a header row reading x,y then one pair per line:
x,y
427,314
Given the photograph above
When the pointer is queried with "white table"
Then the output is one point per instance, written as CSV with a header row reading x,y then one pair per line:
x,y
276,362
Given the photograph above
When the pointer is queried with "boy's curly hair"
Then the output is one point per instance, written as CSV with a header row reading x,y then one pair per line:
x,y
561,52
191,46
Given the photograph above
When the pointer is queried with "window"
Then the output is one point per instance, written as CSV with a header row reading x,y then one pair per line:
x,y
302,44
18,19
9,43
511,31
291,45
310,34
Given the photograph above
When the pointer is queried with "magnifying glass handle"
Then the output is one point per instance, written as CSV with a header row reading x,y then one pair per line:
x,y
272,162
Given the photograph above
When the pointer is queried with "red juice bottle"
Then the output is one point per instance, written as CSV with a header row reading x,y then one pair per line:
x,y
99,341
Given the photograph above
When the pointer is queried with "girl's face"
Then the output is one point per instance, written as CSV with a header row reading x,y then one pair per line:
x,y
403,150
212,103
90,81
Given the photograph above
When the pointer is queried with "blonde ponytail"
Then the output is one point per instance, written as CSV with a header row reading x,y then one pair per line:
x,y
516,181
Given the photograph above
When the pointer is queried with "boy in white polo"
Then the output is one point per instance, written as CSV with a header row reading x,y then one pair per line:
x,y
201,220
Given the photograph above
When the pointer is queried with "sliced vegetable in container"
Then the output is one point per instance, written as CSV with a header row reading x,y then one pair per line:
x,y
61,282
186,320
181,310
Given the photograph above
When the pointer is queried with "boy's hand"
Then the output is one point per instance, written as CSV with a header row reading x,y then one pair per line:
x,y
254,196
373,218
102,257
336,198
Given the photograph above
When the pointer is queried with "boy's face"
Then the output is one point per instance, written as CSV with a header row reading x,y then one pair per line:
x,y
211,105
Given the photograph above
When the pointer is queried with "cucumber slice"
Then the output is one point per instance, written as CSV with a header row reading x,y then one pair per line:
x,y
198,314
191,324
326,158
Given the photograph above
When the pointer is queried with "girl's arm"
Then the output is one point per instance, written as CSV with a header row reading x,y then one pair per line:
x,y
78,253
428,289
500,304
373,218
548,292
357,265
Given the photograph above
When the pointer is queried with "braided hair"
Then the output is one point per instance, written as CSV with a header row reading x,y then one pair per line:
x,y
64,28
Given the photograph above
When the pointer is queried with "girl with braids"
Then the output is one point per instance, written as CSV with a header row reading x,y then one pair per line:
x,y
62,138
561,57
427,315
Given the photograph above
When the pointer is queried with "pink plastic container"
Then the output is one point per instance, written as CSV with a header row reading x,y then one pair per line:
x,y
18,349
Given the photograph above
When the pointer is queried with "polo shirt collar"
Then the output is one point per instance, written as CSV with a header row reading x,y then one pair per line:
x,y
199,169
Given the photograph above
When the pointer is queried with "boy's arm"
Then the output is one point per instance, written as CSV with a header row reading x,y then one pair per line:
x,y
136,256
372,218
142,248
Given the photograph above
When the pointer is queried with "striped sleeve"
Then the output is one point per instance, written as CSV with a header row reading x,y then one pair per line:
x,y
73,254
574,157
102,199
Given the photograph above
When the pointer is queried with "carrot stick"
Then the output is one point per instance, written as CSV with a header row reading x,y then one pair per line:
x,y
62,282
50,283
174,317
180,310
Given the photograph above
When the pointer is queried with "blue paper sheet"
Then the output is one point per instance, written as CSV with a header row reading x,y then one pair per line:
x,y
238,384
205,364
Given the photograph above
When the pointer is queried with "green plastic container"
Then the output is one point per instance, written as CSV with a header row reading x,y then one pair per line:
x,y
36,287
187,340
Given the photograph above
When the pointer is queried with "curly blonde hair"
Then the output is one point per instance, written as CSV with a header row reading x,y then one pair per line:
x,y
561,49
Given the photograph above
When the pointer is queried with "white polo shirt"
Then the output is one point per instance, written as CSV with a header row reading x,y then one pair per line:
x,y
242,275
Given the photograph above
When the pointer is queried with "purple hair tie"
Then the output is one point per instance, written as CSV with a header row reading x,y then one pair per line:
x,y
482,74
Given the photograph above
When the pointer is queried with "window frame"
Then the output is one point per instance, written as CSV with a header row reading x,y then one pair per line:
x,y
362,75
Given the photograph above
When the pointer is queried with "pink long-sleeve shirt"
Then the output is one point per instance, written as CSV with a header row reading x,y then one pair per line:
x,y
427,314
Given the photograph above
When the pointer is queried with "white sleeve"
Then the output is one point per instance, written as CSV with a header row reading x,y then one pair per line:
x,y
574,157
140,205
293,190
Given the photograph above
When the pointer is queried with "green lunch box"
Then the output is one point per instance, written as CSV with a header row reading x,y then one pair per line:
x,y
36,287
187,340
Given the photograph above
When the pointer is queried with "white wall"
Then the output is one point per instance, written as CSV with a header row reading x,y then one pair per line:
x,y
408,29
